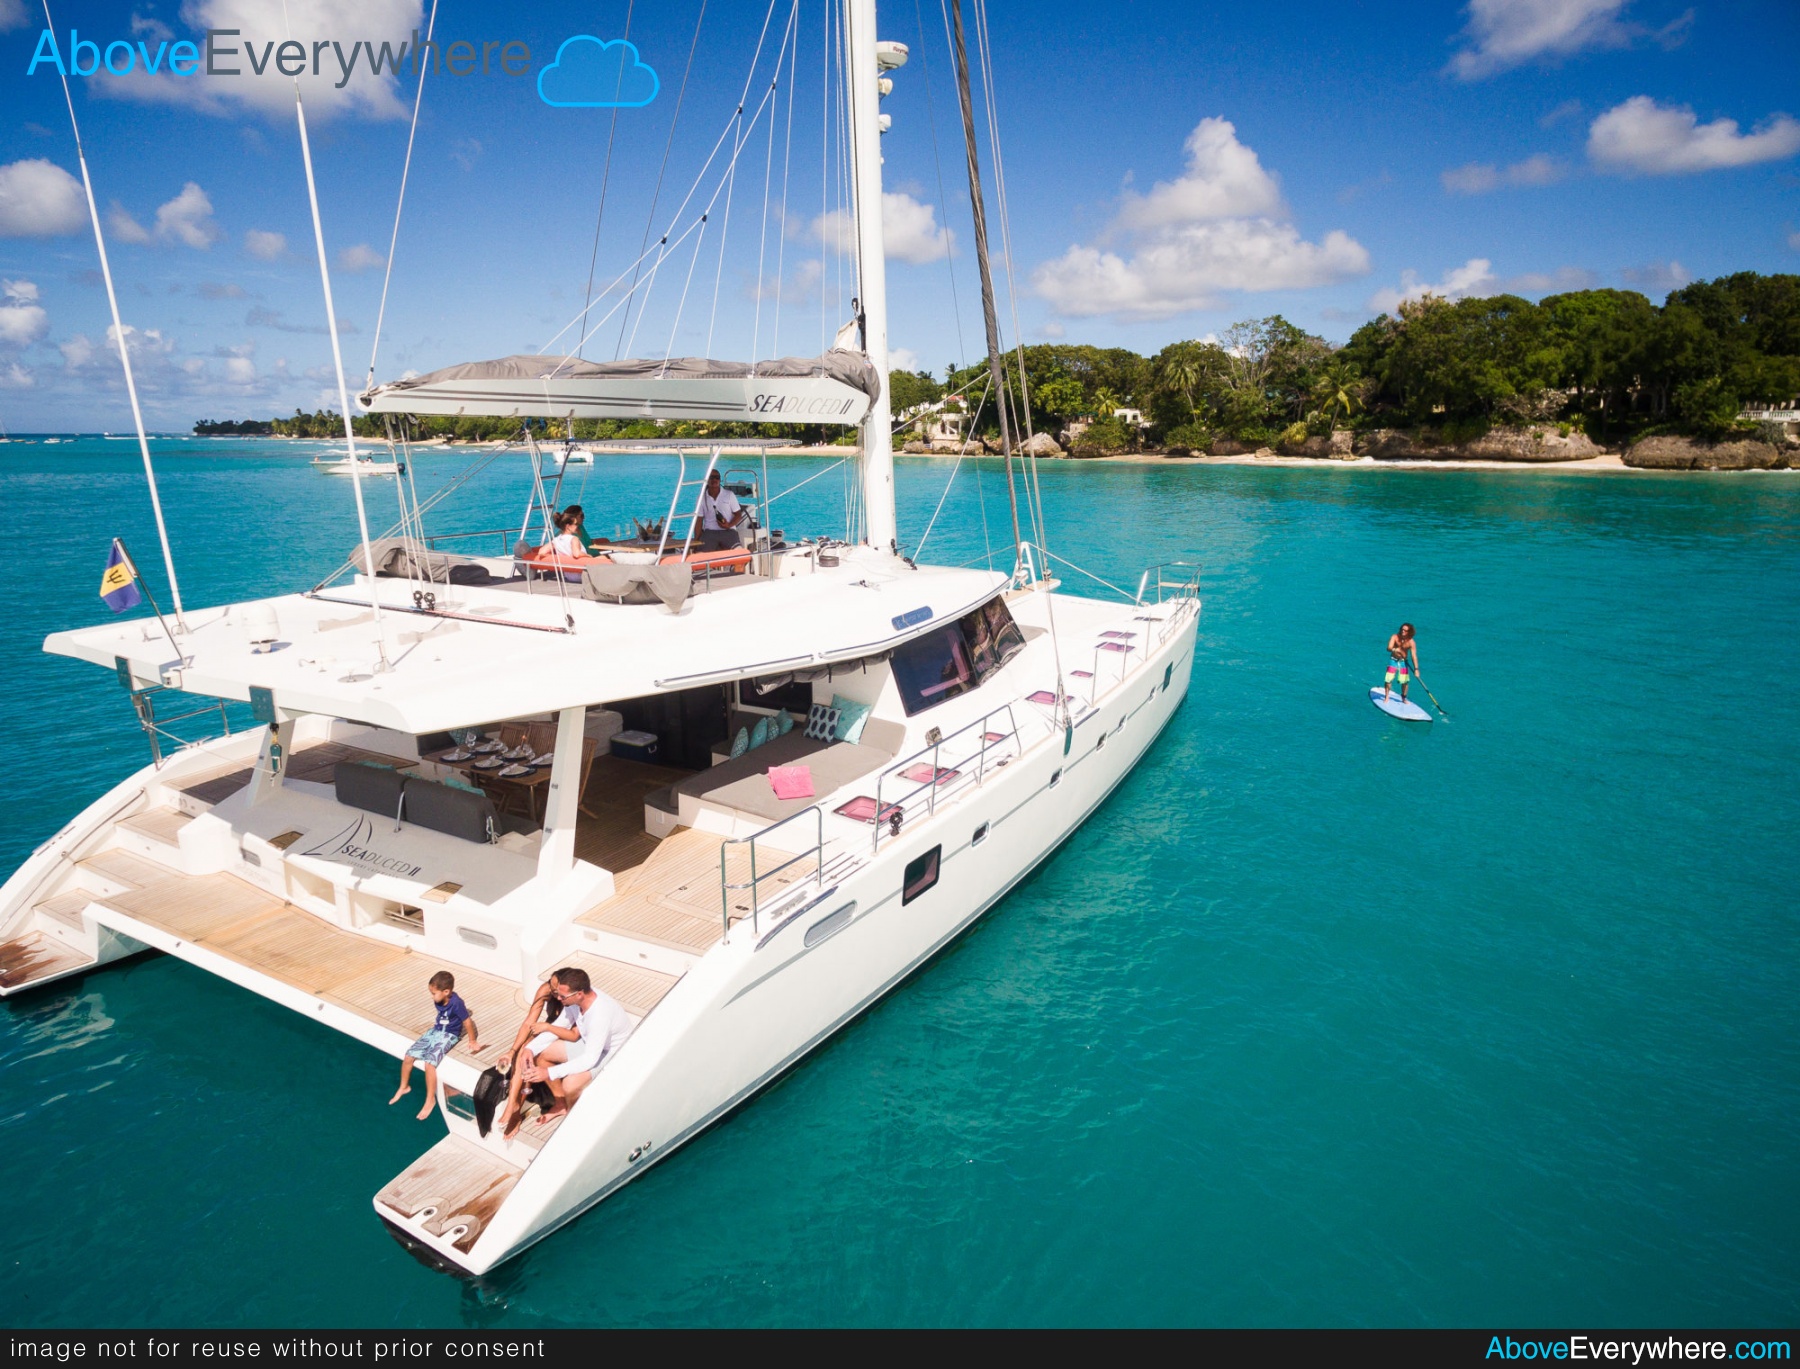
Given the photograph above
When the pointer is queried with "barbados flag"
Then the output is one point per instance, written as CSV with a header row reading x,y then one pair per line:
x,y
118,586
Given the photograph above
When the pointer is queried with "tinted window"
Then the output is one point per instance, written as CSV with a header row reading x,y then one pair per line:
x,y
921,874
957,657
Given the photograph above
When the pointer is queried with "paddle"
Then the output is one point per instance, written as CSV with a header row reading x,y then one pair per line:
x,y
1428,694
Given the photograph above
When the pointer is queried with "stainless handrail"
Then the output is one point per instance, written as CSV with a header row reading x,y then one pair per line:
x,y
155,727
933,785
727,888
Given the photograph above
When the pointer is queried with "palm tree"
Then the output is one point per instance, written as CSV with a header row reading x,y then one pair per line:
x,y
1183,368
1338,388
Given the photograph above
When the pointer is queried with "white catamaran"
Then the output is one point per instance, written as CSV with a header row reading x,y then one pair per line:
x,y
950,728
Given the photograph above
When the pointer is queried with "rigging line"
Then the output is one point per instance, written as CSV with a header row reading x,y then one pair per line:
x,y
919,550
762,248
979,211
693,261
387,275
962,350
787,162
984,50
824,161
668,146
112,300
606,172
987,89
809,479
724,232
673,219
337,360
1127,594
663,245
456,483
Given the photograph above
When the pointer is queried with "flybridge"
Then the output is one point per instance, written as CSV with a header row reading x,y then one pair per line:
x,y
218,55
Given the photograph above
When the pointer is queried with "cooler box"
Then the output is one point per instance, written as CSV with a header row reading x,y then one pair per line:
x,y
634,746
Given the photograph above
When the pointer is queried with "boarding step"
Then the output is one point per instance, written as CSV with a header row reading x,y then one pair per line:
x,y
160,825
449,1194
35,958
197,795
121,872
68,908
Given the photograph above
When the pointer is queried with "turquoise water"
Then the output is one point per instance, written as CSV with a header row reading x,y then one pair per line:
x,y
1322,1019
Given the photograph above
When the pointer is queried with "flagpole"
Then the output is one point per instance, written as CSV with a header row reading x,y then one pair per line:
x,y
112,299
137,577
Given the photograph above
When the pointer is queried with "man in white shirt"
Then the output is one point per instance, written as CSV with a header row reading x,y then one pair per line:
x,y
568,1051
720,514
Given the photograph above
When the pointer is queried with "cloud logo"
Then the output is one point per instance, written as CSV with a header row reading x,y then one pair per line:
x,y
591,74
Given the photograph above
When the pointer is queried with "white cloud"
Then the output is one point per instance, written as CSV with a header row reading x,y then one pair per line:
x,y
1557,282
359,258
909,228
1218,228
22,319
38,199
1664,140
76,352
1508,33
1224,180
123,227
187,218
263,245
344,22
1657,277
240,371
13,15
1794,241
16,377
1478,178
1475,277
902,359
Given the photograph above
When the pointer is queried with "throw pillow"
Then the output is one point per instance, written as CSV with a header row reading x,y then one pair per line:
x,y
741,743
760,733
850,725
821,723
785,724
457,783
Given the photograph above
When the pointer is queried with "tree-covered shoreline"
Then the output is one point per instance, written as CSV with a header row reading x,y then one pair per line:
x,y
1607,363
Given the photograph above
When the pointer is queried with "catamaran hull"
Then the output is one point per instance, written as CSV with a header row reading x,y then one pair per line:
x,y
754,1008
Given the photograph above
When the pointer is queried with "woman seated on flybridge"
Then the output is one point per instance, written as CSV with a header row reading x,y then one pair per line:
x,y
566,547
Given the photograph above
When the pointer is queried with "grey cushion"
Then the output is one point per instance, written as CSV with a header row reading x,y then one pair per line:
x,y
743,784
456,812
638,584
372,788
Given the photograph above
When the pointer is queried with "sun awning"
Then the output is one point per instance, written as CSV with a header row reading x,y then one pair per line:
x,y
835,388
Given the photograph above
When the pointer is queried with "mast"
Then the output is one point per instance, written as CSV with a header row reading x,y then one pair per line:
x,y
871,264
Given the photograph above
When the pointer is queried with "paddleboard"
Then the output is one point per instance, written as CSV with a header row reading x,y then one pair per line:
x,y
1407,711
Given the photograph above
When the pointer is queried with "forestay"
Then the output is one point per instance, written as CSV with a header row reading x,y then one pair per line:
x,y
837,387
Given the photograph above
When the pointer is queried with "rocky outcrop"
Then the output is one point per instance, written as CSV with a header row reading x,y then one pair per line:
x,y
1533,444
1690,454
1336,446
916,448
1040,444
1230,446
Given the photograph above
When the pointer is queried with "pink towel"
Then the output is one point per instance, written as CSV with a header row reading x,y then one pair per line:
x,y
791,781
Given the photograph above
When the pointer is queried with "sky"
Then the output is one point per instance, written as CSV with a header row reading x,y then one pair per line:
x,y
1168,169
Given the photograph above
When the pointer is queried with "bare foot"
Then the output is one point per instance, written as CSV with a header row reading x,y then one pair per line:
x,y
398,1096
425,1111
509,1124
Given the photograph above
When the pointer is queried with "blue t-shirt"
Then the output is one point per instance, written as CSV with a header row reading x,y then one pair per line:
x,y
451,1015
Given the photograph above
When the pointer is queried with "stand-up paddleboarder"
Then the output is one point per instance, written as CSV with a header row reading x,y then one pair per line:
x,y
1400,645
